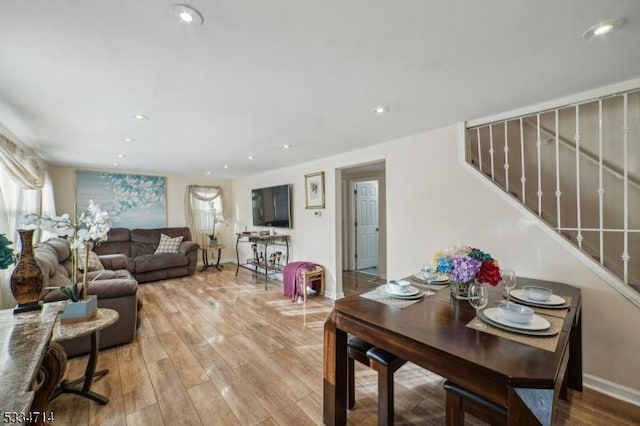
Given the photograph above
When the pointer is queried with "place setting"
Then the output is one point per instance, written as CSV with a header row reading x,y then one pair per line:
x,y
514,320
398,293
401,289
538,297
429,279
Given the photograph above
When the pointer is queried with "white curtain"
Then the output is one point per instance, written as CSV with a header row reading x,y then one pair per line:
x,y
25,187
204,208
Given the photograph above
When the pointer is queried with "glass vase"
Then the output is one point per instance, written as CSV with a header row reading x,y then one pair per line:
x,y
26,280
460,289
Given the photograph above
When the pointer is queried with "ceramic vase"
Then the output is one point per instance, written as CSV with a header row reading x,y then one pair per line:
x,y
26,279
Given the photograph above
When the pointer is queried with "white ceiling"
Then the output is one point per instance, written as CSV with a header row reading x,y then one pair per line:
x,y
260,74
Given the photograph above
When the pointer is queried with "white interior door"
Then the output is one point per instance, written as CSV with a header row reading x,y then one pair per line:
x,y
367,226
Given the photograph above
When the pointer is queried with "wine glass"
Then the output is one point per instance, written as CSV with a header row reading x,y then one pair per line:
x,y
428,275
478,298
509,278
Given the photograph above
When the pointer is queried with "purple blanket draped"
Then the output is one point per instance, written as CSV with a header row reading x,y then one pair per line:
x,y
292,278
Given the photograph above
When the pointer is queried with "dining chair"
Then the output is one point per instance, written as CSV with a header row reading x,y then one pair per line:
x,y
460,400
385,363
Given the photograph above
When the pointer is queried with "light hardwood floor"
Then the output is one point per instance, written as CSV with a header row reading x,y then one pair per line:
x,y
214,349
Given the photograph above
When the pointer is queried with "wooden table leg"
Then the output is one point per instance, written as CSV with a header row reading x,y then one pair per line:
x,y
574,370
335,373
529,406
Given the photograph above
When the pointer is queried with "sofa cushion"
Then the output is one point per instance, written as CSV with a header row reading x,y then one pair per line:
x,y
145,241
61,247
119,235
47,260
153,262
118,242
93,262
115,261
168,245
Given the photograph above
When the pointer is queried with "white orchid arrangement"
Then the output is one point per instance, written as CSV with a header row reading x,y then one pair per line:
x,y
90,227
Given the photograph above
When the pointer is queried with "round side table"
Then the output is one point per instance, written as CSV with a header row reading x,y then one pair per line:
x,y
104,318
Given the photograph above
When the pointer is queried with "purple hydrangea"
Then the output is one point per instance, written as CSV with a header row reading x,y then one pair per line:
x,y
464,268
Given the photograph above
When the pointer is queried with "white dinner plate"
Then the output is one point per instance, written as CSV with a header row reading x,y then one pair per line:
x,y
436,281
553,300
537,322
411,292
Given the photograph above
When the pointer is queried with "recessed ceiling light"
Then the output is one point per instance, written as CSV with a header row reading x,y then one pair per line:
x,y
129,140
285,146
226,166
603,28
116,164
186,14
120,155
140,117
380,109
208,173
251,157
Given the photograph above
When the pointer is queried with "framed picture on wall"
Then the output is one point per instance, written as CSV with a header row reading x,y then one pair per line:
x,y
132,201
314,190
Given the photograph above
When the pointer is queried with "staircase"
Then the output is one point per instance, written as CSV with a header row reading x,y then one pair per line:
x,y
577,168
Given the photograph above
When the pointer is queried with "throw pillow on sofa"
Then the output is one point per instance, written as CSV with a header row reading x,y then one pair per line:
x,y
168,245
93,263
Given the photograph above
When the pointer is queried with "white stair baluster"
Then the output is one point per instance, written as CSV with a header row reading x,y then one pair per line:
x,y
558,194
579,237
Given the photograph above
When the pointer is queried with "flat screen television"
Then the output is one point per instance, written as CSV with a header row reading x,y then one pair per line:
x,y
272,206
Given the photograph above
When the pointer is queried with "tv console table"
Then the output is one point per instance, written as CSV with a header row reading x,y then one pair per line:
x,y
266,258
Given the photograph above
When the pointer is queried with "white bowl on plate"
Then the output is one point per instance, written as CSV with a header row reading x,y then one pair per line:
x,y
399,286
515,313
539,294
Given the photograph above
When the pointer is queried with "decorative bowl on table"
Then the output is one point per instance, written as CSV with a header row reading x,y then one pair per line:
x,y
513,312
538,294
399,286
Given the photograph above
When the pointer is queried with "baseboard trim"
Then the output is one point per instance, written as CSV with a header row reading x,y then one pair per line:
x,y
614,390
333,295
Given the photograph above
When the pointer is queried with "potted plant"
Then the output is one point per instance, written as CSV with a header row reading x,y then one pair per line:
x,y
213,240
91,227
7,257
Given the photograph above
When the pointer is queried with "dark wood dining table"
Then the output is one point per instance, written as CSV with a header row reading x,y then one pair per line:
x,y
433,333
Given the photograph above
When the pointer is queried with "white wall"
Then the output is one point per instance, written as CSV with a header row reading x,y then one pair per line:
x,y
64,183
434,201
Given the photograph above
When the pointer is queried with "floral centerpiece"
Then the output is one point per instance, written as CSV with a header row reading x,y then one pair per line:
x,y
90,227
463,264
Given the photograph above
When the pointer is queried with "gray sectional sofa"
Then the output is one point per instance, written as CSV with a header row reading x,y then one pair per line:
x,y
139,246
115,287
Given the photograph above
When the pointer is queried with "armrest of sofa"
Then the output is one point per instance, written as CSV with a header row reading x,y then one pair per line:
x,y
119,294
190,250
187,247
104,289
114,261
